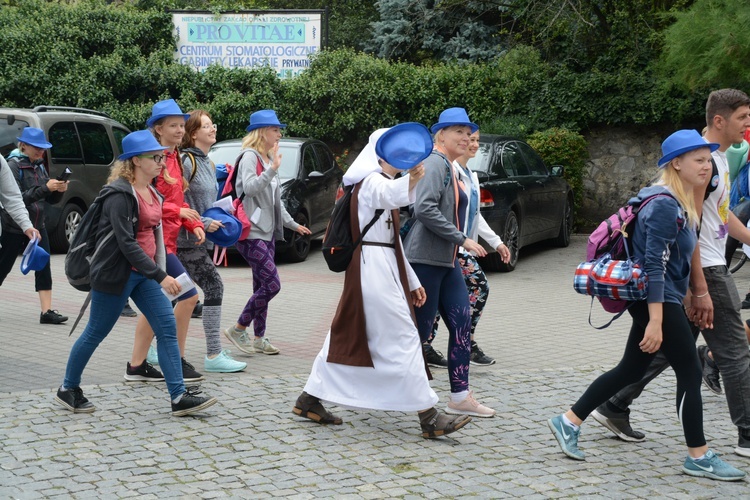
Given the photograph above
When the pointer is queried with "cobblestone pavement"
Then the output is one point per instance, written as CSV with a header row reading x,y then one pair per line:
x,y
251,445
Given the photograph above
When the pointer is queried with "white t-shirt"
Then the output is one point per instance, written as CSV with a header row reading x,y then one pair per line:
x,y
715,226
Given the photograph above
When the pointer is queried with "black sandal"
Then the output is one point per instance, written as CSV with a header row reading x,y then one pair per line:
x,y
310,407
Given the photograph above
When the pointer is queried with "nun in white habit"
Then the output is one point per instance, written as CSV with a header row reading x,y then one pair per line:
x,y
394,377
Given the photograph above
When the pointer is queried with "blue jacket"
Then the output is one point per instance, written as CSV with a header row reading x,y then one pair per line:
x,y
663,243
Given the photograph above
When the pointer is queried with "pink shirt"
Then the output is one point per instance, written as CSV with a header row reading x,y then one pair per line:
x,y
149,217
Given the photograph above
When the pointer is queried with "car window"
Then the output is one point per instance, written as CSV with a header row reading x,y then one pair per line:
x,y
289,161
513,161
535,162
480,162
309,164
97,149
119,136
8,134
65,145
325,158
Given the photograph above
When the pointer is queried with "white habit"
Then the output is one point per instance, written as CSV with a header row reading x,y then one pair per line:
x,y
398,380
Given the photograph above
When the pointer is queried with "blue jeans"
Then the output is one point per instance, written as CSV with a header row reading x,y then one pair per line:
x,y
105,311
728,344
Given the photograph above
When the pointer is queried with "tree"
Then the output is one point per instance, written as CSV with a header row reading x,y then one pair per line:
x,y
709,46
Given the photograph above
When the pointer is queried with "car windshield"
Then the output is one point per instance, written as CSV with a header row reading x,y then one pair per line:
x,y
8,134
480,162
227,153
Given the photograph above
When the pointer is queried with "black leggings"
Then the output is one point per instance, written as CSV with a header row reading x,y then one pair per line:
x,y
12,243
678,347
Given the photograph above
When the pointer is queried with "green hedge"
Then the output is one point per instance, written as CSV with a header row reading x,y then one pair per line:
x,y
118,59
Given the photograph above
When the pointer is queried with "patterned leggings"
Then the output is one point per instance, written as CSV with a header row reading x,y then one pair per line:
x,y
446,292
200,267
259,255
476,283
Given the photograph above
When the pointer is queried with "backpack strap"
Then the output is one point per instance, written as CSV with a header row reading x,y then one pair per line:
x,y
80,313
192,163
616,316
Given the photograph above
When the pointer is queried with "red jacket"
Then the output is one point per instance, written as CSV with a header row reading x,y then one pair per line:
x,y
174,200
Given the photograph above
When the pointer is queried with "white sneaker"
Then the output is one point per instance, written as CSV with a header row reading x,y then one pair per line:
x,y
469,406
240,339
263,345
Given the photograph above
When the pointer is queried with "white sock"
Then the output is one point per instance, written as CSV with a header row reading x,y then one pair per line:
x,y
695,459
178,399
457,397
568,422
63,388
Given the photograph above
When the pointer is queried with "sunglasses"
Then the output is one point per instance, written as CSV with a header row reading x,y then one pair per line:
x,y
156,158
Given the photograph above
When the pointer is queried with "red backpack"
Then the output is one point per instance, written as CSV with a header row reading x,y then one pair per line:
x,y
230,189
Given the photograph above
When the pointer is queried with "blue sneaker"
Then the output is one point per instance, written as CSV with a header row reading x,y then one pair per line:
x,y
566,437
712,467
152,357
223,363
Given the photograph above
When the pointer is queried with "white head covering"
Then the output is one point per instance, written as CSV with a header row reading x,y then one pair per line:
x,y
366,163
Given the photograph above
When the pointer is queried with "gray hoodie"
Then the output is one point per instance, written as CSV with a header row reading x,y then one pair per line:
x,y
10,198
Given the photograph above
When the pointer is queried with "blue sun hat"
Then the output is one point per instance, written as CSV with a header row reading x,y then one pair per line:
x,y
34,137
454,116
264,118
404,145
35,258
229,234
163,109
680,143
138,143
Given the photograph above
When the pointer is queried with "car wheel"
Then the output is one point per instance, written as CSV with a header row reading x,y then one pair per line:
x,y
299,246
566,226
69,219
493,262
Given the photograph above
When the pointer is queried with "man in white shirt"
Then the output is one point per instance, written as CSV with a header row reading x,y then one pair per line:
x,y
714,304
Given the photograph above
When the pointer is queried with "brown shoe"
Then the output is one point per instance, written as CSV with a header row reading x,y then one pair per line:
x,y
435,424
308,406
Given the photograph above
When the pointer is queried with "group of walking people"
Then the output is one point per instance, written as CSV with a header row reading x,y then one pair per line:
x,y
378,349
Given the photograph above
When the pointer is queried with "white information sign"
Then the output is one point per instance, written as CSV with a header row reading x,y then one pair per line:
x,y
282,40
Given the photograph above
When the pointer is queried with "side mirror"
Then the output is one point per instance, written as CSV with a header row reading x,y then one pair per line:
x,y
557,170
314,174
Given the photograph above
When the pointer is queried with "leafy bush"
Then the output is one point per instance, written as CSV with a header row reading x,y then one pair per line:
x,y
559,146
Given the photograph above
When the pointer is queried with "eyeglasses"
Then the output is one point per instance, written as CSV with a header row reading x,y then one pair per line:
x,y
156,158
210,127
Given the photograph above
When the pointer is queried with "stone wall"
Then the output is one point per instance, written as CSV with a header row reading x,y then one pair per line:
x,y
622,160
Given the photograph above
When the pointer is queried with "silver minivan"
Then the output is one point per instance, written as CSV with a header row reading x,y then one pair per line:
x,y
85,141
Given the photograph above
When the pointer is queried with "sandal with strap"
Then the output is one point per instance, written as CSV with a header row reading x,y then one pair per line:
x,y
308,406
435,424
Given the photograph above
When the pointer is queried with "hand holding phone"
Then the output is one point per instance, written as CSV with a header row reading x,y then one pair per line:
x,y
64,176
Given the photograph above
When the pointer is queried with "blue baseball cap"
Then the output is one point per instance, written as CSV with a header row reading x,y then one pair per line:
x,y
229,234
405,145
163,109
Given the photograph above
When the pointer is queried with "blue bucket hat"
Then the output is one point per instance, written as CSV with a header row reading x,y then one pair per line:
x,y
35,258
163,109
680,143
229,234
34,137
404,145
454,116
264,118
137,143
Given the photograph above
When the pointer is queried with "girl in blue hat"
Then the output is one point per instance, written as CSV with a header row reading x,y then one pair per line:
x,y
167,123
130,261
27,164
258,185
663,240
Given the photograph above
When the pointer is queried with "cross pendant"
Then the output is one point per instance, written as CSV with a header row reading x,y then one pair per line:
x,y
389,222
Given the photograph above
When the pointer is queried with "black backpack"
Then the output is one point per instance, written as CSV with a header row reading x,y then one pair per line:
x,y
338,242
83,247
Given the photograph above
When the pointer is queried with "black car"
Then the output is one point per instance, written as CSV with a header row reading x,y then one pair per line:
x,y
309,179
520,198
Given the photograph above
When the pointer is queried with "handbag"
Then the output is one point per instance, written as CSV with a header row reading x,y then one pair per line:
x,y
613,282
